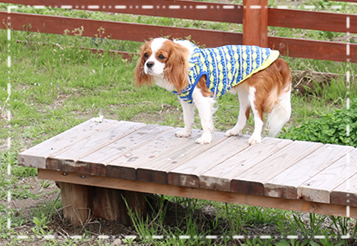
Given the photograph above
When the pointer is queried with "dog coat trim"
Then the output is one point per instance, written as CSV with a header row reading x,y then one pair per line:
x,y
225,67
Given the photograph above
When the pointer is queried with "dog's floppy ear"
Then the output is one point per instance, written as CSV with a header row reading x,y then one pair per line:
x,y
176,68
140,77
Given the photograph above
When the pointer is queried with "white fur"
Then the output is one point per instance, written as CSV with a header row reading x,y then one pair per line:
x,y
205,106
258,123
246,100
188,118
280,114
243,106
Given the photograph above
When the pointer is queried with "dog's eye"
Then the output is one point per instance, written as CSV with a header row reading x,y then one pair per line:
x,y
161,57
146,55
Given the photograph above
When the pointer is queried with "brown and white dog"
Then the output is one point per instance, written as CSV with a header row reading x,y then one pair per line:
x,y
168,63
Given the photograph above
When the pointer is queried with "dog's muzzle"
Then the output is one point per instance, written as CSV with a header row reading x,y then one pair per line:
x,y
148,67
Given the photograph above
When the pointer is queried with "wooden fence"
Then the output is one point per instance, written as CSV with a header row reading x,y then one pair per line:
x,y
254,15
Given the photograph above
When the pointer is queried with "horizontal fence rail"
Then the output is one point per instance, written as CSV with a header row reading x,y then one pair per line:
x,y
116,30
323,21
232,13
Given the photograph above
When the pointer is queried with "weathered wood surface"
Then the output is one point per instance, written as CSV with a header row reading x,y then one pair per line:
x,y
198,193
81,203
276,168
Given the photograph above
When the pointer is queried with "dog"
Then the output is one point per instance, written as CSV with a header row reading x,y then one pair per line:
x,y
199,76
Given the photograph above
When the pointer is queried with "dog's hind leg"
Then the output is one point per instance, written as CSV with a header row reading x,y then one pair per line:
x,y
280,114
258,118
281,111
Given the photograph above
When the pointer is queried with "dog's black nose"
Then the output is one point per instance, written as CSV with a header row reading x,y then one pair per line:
x,y
150,64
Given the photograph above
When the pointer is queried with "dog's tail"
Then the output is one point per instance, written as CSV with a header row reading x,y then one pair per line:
x,y
282,108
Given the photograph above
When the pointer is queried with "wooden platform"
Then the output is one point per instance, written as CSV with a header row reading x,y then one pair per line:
x,y
285,174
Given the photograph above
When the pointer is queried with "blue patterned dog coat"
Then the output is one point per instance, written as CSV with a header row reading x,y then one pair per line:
x,y
225,67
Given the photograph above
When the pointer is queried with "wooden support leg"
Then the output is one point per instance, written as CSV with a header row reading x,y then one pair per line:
x,y
82,203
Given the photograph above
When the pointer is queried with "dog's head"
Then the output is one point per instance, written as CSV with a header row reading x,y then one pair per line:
x,y
162,59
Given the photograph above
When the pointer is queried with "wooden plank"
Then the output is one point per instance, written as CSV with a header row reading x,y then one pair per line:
x,y
321,50
157,170
188,173
323,21
252,180
345,194
319,187
36,156
286,183
126,144
220,176
68,160
197,193
232,13
122,154
255,22
114,29
126,165
164,8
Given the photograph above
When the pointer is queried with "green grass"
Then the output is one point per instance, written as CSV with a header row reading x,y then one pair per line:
x,y
55,88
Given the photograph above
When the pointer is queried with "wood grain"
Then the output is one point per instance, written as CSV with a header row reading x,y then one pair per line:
x,y
126,146
188,173
197,193
170,160
287,182
323,21
311,49
334,51
318,188
252,180
345,194
219,177
116,30
94,160
255,23
36,156
232,13
182,9
151,153
83,203
97,141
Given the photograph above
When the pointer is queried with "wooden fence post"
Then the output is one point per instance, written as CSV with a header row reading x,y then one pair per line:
x,y
255,22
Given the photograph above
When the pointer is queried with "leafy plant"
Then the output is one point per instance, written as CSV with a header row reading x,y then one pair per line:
x,y
337,127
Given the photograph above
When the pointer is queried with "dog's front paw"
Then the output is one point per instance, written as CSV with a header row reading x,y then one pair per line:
x,y
254,140
204,139
183,134
231,132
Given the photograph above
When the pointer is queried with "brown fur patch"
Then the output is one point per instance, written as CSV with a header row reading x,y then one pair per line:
x,y
203,86
176,67
140,77
269,84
